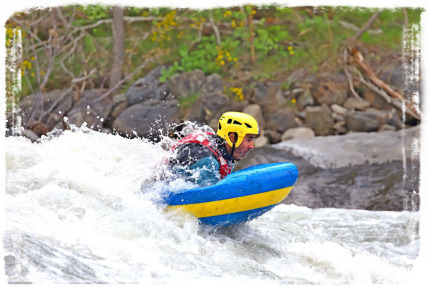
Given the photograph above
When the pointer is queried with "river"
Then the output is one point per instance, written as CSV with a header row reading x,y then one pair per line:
x,y
82,208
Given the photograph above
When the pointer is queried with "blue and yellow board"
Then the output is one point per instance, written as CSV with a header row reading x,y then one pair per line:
x,y
239,197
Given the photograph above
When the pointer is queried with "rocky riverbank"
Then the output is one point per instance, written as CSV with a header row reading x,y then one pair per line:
x,y
377,172
310,105
351,153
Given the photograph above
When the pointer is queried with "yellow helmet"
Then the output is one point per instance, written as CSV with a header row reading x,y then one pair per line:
x,y
239,123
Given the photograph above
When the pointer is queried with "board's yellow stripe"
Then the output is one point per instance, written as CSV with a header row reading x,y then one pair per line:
x,y
236,204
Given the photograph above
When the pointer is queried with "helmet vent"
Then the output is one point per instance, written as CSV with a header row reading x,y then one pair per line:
x,y
248,125
236,123
219,126
229,121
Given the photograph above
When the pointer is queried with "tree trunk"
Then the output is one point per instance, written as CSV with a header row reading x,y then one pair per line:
x,y
118,47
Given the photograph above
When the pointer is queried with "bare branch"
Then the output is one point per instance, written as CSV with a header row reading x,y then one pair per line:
x,y
215,28
367,25
358,59
346,69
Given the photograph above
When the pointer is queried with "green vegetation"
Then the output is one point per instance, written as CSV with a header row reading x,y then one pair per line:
x,y
239,43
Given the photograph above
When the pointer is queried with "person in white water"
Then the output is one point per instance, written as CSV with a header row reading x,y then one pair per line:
x,y
205,158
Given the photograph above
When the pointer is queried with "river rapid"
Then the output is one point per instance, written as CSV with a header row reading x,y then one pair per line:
x,y
83,207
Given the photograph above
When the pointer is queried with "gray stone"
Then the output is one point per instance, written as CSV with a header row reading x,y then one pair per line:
x,y
359,171
384,128
331,92
89,111
269,97
393,119
261,141
149,119
273,136
338,117
299,132
213,84
148,87
340,128
319,119
49,100
255,111
187,84
31,135
282,120
208,106
356,104
339,109
305,99
119,98
119,109
364,121
354,149
376,100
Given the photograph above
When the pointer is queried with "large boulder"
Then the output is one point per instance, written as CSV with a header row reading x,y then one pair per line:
x,y
255,111
59,100
299,132
376,100
187,84
282,120
320,119
91,111
269,97
147,88
210,101
331,91
54,104
377,171
371,120
149,119
209,106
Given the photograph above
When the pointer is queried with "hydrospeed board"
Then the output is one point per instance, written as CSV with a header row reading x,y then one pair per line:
x,y
239,197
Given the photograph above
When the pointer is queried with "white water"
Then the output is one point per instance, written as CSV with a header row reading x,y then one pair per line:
x,y
75,213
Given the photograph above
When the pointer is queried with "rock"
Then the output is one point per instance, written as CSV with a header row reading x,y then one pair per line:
x,y
384,128
330,92
187,84
319,118
269,98
296,76
367,121
261,141
340,128
338,117
282,120
119,109
50,98
376,100
119,99
91,111
360,170
273,136
305,98
339,109
255,111
30,135
149,119
148,87
209,106
393,119
356,104
395,76
299,132
213,84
